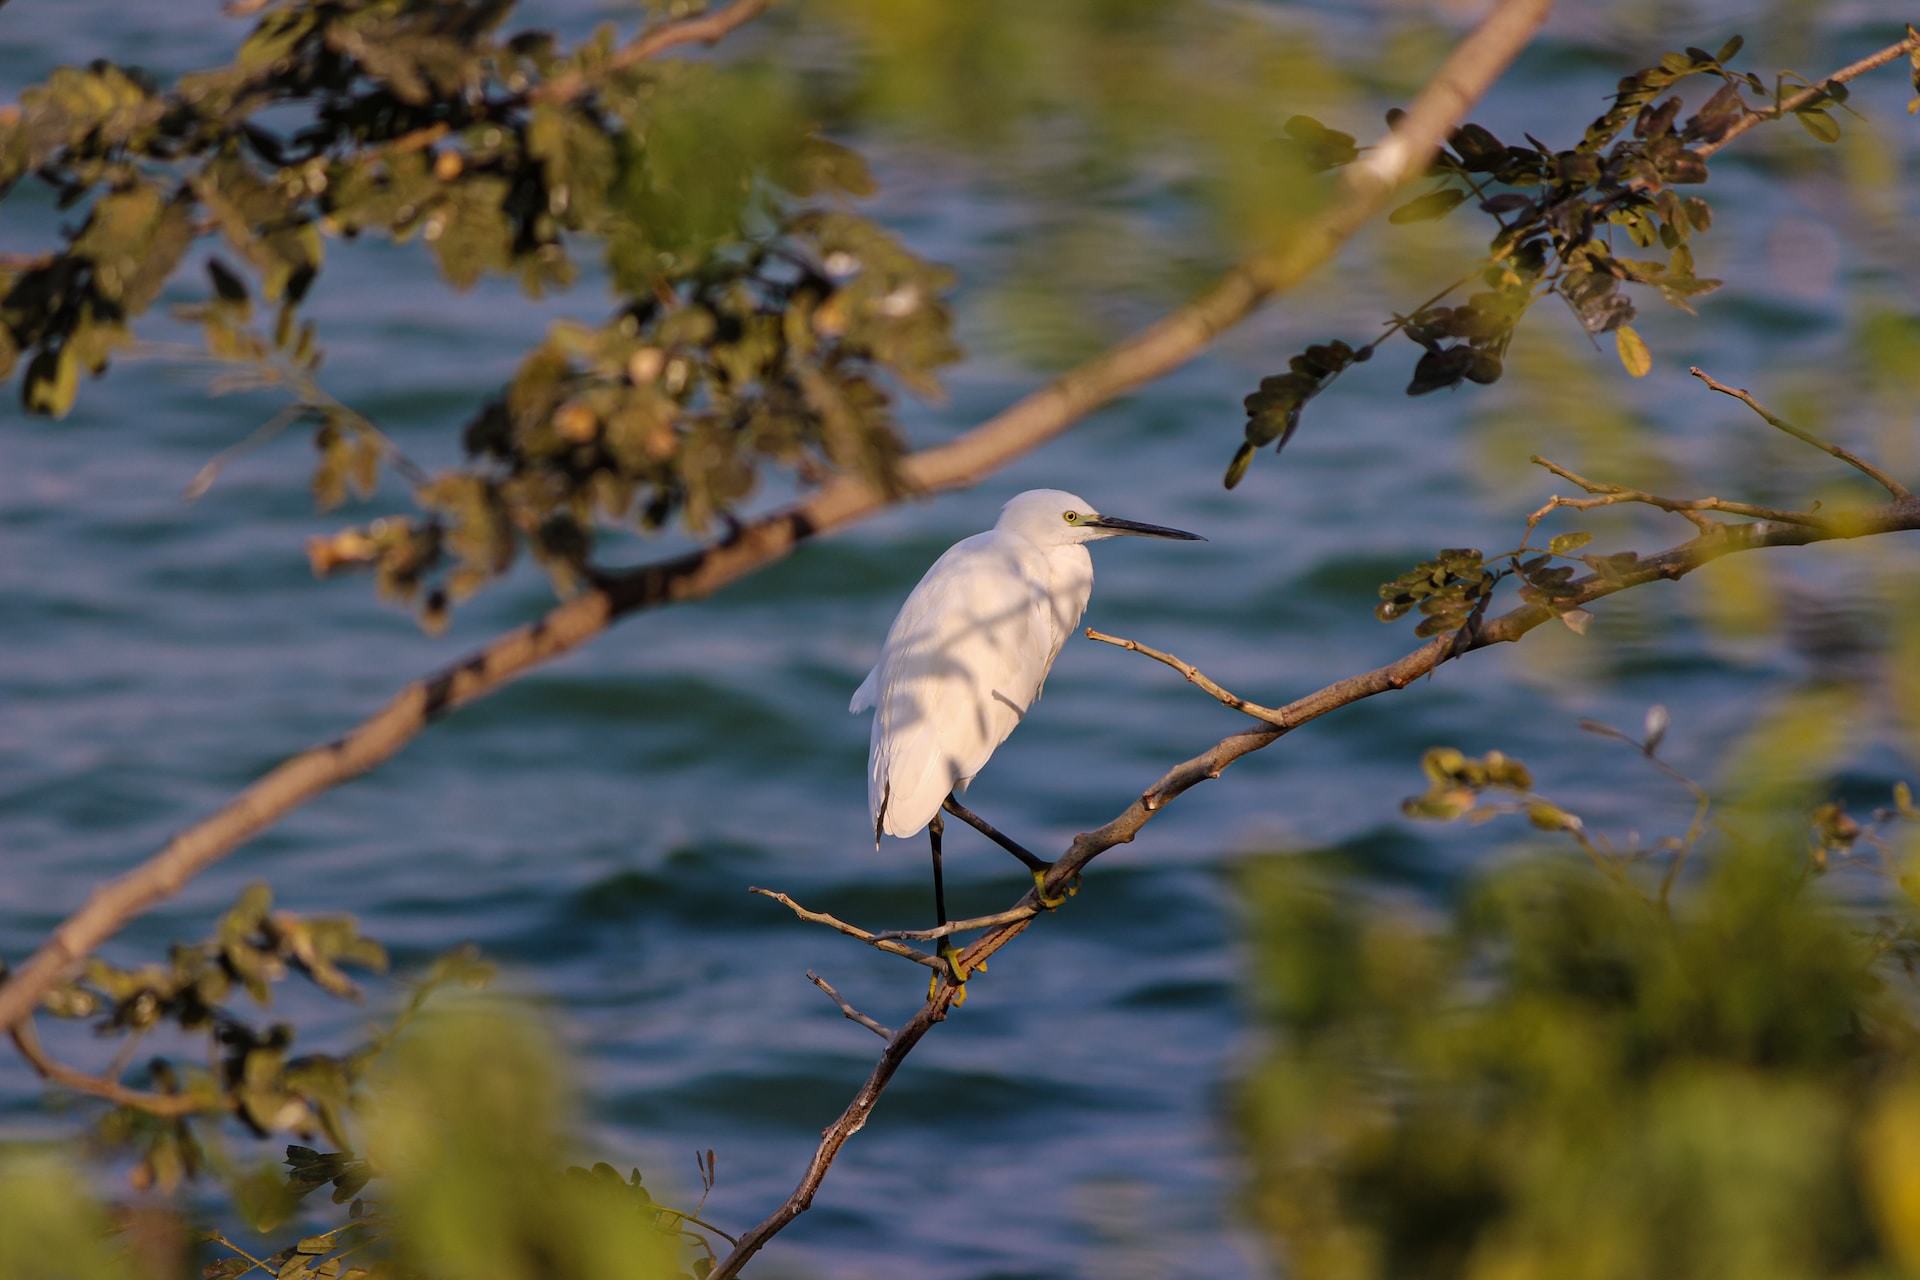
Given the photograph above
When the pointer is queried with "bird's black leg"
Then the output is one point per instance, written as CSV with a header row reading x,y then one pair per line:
x,y
1038,866
944,946
935,830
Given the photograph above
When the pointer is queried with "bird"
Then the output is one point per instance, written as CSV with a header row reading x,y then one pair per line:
x,y
966,659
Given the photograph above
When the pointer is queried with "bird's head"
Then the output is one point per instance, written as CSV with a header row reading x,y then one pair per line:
x,y
1054,517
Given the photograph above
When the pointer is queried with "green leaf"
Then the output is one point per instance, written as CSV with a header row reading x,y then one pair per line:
x,y
1478,149
52,381
1565,542
1435,204
1729,49
1549,817
1321,147
1820,124
1633,351
1237,469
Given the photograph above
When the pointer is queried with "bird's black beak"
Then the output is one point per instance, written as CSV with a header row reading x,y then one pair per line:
x,y
1114,524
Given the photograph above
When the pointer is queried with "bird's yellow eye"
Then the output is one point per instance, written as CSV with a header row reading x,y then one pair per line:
x,y
1071,517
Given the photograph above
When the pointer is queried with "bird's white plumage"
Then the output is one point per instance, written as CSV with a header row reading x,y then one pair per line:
x,y
970,650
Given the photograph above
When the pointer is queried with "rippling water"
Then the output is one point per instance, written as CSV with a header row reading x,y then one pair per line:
x,y
596,826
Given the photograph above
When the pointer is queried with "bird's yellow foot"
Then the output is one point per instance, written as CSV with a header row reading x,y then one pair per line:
x,y
1040,887
957,973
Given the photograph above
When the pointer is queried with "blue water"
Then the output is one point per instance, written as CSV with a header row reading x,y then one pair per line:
x,y
596,826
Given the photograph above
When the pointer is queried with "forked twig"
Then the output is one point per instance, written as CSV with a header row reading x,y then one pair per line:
x,y
1613,494
1801,434
962,926
874,940
1812,94
1197,677
169,1105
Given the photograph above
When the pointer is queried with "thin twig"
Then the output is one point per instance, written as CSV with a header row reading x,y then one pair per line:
x,y
852,1015
961,926
1608,865
1612,494
1805,96
853,931
1702,805
170,1105
1801,434
219,1239
708,29
1194,676
684,1216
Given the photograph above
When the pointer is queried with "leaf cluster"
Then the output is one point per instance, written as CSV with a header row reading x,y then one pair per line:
x,y
1568,222
1447,591
1558,1080
251,1070
1456,781
752,329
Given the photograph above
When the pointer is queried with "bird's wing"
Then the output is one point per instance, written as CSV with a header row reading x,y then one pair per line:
x,y
961,666
864,696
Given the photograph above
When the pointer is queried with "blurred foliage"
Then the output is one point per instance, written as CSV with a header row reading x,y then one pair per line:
x,y
1453,591
232,1066
1560,215
1572,1077
447,1135
750,329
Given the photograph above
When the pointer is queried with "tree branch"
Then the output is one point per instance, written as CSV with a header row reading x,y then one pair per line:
x,y
876,941
1194,676
1614,494
1363,190
1801,434
707,28
952,927
169,1105
1805,96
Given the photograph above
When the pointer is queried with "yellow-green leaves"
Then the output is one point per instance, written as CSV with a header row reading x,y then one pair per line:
x,y
1557,1081
1633,351
1819,123
1435,204
52,1228
53,378
470,1130
1237,468
1564,543
1446,590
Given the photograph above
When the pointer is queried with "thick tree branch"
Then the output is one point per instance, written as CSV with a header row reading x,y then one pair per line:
x,y
1362,191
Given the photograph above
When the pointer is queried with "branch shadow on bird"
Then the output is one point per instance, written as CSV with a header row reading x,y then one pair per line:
x,y
955,669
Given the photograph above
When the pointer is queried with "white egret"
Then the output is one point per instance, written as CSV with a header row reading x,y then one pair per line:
x,y
967,656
